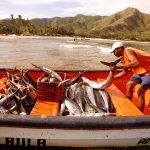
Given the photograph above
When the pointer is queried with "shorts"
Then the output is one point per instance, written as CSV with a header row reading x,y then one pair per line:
x,y
144,80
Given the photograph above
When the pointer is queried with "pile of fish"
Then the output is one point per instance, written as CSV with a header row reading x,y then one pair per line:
x,y
87,98
82,96
19,94
53,78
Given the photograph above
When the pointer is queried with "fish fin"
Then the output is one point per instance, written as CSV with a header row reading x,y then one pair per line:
x,y
114,63
18,98
105,63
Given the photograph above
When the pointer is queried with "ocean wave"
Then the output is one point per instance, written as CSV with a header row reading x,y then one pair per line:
x,y
104,50
76,46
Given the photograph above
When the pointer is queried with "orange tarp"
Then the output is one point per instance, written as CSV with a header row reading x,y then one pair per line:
x,y
123,106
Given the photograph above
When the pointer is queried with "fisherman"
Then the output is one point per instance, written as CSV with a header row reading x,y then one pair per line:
x,y
139,62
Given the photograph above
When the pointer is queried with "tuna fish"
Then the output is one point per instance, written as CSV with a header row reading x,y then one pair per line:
x,y
96,114
73,107
7,98
106,83
106,100
100,85
50,72
90,99
62,108
79,97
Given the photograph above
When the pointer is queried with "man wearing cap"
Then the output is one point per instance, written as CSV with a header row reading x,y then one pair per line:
x,y
139,62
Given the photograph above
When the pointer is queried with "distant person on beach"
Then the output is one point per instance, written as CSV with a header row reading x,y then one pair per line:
x,y
139,62
76,40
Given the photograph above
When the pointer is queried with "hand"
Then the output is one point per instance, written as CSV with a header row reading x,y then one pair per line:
x,y
113,68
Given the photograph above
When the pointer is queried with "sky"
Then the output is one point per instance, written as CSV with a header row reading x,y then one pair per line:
x,y
67,8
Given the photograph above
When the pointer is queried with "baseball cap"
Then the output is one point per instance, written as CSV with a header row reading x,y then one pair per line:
x,y
116,45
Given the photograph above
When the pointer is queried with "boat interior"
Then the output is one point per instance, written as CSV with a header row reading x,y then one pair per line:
x,y
49,105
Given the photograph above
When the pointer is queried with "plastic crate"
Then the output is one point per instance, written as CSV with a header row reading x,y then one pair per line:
x,y
50,93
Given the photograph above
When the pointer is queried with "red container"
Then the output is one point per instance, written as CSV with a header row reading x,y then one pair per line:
x,y
50,93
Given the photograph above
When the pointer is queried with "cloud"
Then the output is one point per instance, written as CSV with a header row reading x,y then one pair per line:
x,y
30,2
63,8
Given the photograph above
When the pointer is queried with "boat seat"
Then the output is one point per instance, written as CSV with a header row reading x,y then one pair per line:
x,y
47,108
123,106
147,99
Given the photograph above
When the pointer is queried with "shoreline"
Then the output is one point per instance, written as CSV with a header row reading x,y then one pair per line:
x,y
69,38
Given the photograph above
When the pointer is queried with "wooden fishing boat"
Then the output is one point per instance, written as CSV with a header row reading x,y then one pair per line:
x,y
42,127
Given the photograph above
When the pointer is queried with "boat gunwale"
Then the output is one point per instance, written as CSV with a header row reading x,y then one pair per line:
x,y
67,70
74,122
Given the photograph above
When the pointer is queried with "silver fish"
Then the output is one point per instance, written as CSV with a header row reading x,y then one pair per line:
x,y
104,99
21,108
72,107
74,80
69,82
70,91
50,72
7,111
79,97
107,100
3,110
62,108
7,98
87,99
90,94
29,79
100,85
96,114
88,108
53,73
106,83
99,100
45,79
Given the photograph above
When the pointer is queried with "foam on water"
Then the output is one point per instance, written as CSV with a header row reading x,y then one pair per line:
x,y
104,50
75,46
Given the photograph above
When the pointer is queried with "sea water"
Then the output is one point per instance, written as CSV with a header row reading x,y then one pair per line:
x,y
59,53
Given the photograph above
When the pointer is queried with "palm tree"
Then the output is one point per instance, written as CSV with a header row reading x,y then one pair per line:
x,y
19,24
12,16
20,17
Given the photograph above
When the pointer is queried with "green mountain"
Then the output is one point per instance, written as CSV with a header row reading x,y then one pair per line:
x,y
79,23
127,24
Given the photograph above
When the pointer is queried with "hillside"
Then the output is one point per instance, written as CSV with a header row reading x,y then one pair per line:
x,y
127,24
